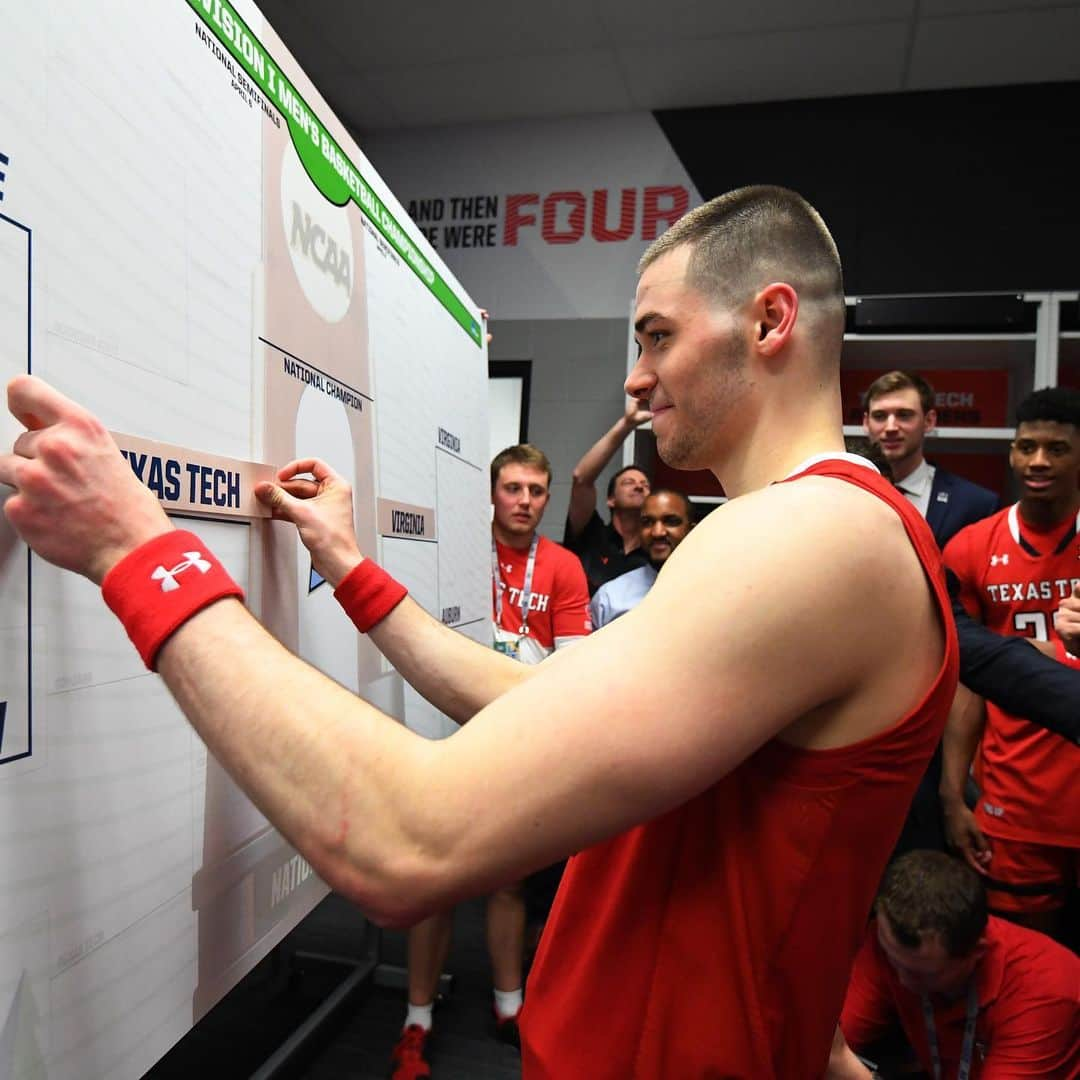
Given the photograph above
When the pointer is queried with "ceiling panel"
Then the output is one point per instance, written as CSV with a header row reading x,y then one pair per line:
x,y
381,36
931,8
768,67
388,65
505,88
1012,47
691,20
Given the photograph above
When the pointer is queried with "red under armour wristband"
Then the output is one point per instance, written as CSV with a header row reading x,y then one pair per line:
x,y
156,588
368,594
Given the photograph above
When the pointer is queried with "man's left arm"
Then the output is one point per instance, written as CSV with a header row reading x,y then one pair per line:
x,y
399,823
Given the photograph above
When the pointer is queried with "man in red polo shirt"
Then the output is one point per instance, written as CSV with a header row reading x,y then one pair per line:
x,y
969,991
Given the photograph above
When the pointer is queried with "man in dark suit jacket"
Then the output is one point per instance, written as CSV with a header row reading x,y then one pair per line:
x,y
899,414
955,503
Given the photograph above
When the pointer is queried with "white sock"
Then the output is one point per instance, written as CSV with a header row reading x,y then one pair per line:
x,y
419,1014
508,1003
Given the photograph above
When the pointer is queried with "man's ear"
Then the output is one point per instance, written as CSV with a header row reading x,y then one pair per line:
x,y
931,419
776,307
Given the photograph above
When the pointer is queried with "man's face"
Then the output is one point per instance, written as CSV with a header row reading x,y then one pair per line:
x,y
664,525
929,969
692,365
519,498
1045,459
897,423
630,490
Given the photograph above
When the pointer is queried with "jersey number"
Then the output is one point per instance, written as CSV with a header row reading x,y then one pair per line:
x,y
1033,620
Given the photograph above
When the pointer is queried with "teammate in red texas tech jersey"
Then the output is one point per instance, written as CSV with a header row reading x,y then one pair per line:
x,y
558,603
1015,570
539,603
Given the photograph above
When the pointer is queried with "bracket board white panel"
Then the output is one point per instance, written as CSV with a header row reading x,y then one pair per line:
x,y
193,246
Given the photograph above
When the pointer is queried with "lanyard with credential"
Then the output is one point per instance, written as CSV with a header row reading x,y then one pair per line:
x,y
526,592
968,1047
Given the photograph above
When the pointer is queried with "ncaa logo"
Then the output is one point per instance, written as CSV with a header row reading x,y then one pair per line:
x,y
168,577
320,241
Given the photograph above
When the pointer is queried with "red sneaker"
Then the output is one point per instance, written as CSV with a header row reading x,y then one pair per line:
x,y
506,1030
408,1057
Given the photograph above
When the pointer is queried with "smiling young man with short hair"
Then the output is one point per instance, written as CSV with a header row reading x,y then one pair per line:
x,y
539,604
1015,570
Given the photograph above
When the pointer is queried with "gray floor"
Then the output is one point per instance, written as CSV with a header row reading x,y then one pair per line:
x,y
462,1047
251,1023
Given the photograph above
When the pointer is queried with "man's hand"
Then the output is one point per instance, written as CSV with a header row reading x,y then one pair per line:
x,y
77,502
964,835
1068,621
320,506
635,414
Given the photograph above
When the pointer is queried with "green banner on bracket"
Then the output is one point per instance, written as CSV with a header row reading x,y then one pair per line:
x,y
326,163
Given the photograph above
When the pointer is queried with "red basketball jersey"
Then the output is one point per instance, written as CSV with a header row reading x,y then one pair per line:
x,y
716,940
1013,577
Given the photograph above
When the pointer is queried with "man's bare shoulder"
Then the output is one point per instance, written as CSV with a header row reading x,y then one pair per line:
x,y
817,524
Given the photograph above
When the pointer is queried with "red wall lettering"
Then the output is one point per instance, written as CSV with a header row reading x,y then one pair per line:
x,y
666,204
627,209
576,225
515,217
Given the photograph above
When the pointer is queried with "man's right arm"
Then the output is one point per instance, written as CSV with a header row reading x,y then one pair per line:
x,y
963,730
583,486
868,1011
1017,678
457,675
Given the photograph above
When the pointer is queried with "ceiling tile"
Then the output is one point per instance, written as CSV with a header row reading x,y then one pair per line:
x,y
768,67
932,8
1012,47
380,36
691,20
559,84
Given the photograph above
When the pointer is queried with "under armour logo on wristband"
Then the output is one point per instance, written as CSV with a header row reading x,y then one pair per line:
x,y
168,577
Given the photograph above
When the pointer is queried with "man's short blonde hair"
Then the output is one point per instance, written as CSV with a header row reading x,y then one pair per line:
x,y
521,454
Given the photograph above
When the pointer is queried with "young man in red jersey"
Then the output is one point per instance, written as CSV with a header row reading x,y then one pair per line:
x,y
1016,569
732,815
540,603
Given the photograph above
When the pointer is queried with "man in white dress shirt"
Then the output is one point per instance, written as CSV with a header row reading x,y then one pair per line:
x,y
666,518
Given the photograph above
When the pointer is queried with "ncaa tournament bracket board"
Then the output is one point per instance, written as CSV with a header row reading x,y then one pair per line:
x,y
192,246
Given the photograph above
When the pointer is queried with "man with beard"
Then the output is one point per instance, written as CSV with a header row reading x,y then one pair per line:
x,y
731,817
666,518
